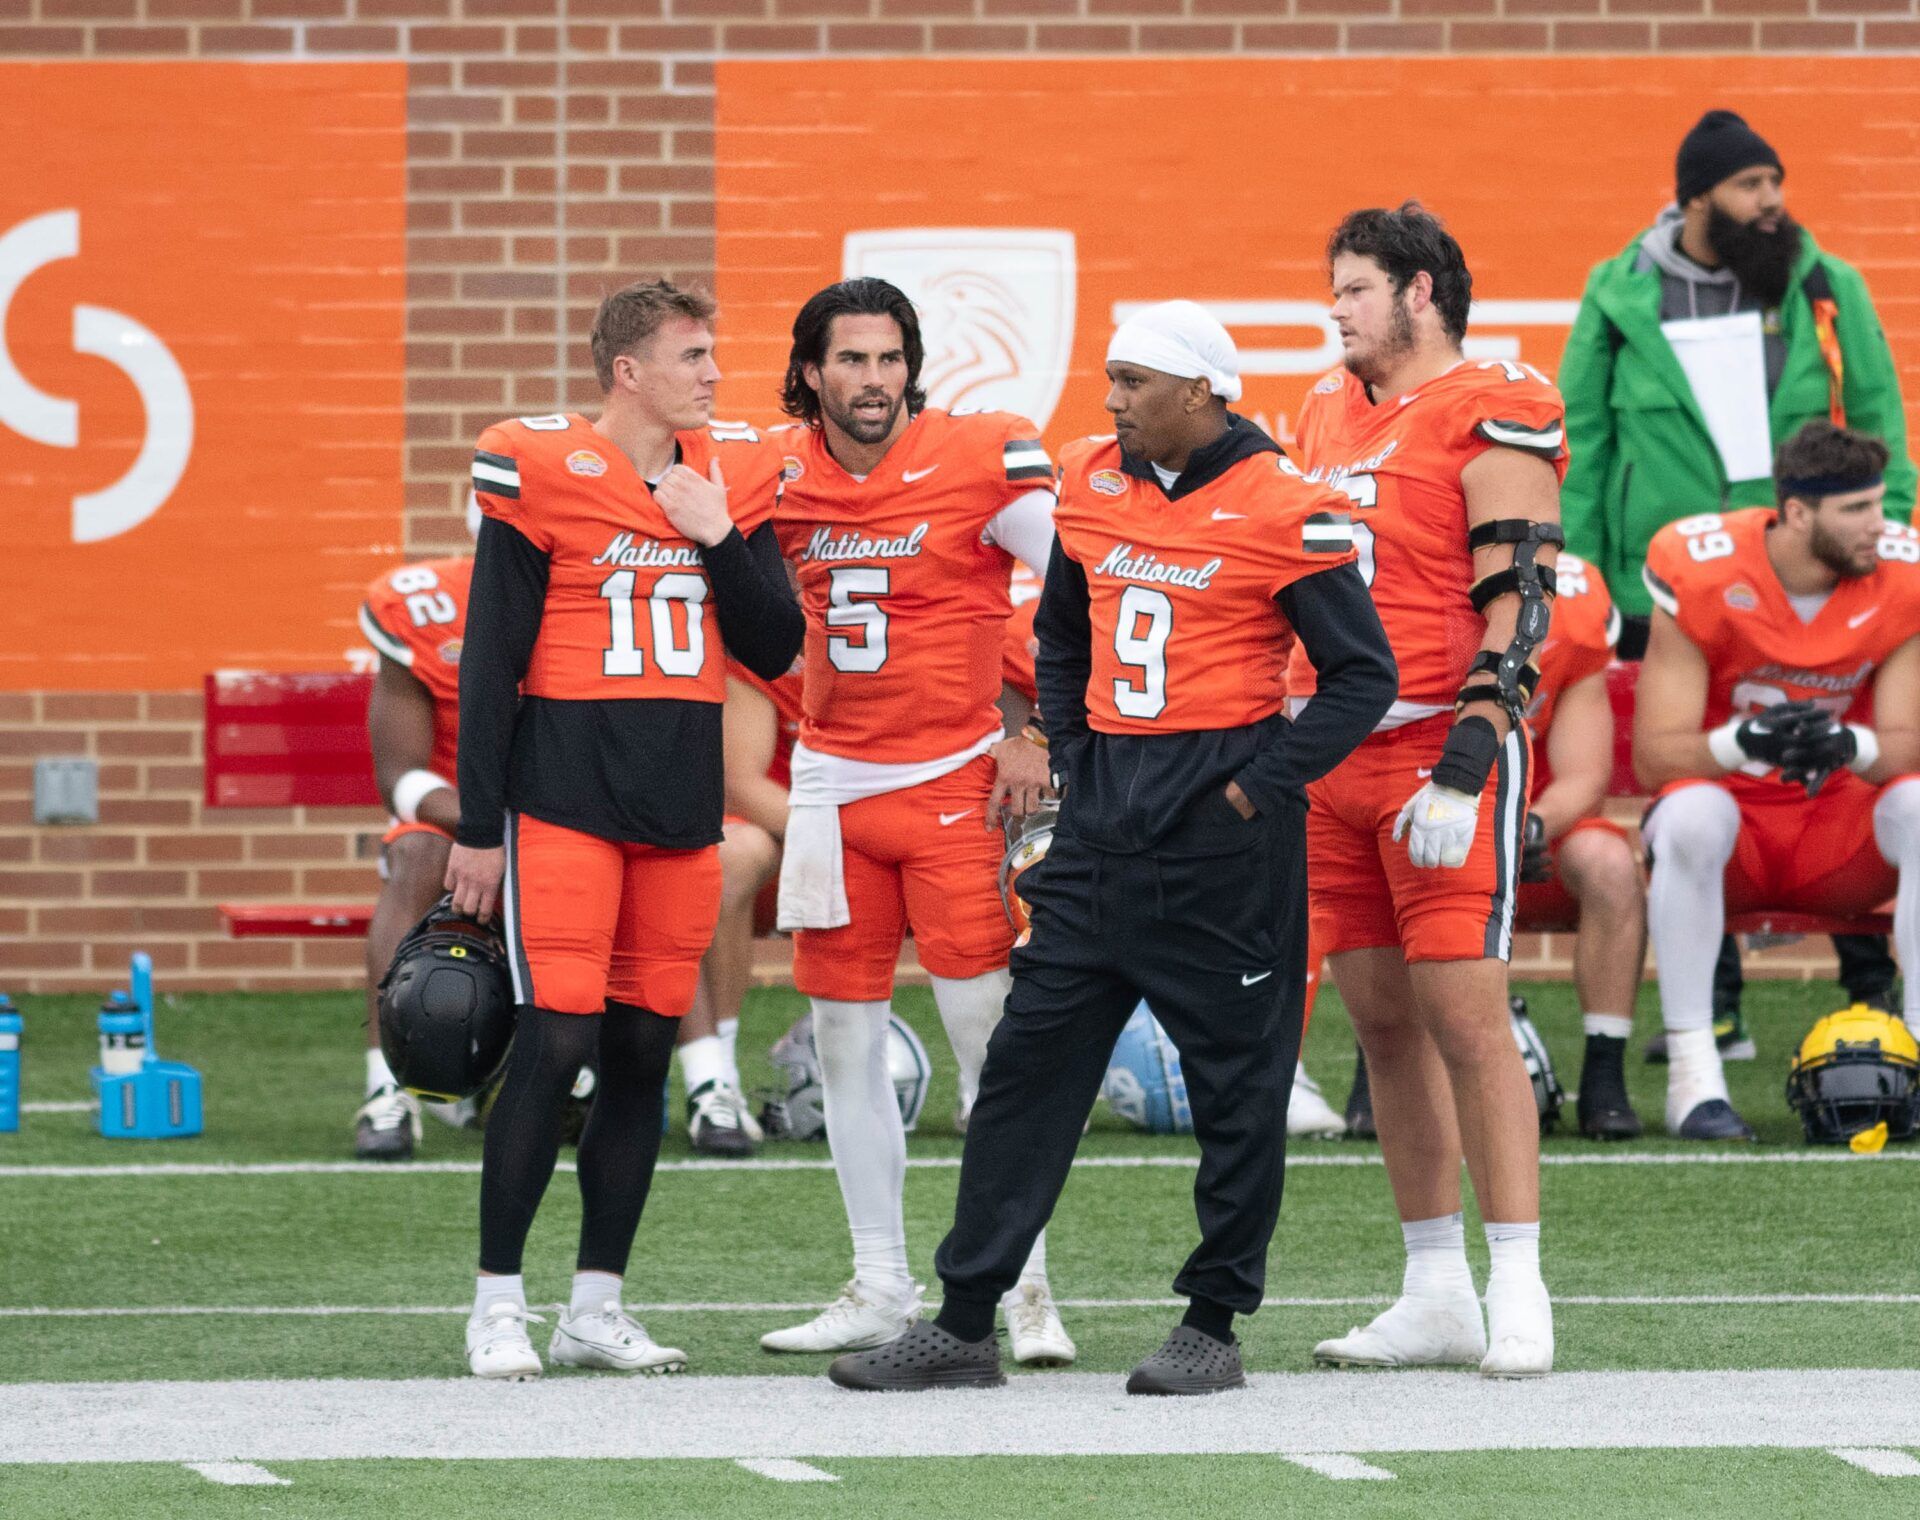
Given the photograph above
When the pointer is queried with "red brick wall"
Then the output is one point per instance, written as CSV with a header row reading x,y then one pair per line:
x,y
504,268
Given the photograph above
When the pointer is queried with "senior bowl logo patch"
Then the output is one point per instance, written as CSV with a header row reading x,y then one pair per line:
x,y
1741,597
1108,482
450,651
586,462
1329,384
791,469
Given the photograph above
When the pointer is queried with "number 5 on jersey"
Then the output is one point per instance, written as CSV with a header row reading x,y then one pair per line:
x,y
854,595
679,637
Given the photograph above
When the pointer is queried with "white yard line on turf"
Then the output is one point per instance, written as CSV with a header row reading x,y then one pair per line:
x,y
1881,1463
56,1108
335,1311
238,1475
782,1470
1337,1464
918,1163
1058,1413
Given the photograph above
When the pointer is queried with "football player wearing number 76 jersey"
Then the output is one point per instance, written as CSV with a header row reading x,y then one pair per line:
x,y
1191,555
621,561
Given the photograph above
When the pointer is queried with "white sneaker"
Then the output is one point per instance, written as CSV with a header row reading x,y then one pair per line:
x,y
852,1322
1309,1113
713,1122
1033,1325
1412,1332
497,1344
610,1337
1519,1328
387,1126
743,1112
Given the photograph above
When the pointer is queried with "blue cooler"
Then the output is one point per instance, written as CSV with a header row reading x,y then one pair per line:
x,y
141,1096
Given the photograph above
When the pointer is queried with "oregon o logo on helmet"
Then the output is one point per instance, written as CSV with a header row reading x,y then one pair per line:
x,y
124,343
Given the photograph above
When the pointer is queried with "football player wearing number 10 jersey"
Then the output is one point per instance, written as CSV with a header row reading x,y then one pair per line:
x,y
1191,554
1453,468
621,561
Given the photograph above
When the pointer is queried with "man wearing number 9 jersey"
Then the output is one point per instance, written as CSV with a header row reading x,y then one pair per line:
x,y
1191,555
1778,715
620,563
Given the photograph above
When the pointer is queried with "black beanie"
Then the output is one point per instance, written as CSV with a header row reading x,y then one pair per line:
x,y
1721,144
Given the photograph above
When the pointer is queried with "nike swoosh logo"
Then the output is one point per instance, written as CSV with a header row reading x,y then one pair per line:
x,y
1218,516
1860,617
1248,981
910,476
947,820
1423,774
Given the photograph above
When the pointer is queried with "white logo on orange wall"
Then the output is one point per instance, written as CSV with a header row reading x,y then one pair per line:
x,y
996,309
122,342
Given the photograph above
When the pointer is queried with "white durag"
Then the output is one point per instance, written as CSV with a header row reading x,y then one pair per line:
x,y
1179,338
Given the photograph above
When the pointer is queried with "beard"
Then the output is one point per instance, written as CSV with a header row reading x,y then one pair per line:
x,y
1372,366
858,428
1829,549
1761,261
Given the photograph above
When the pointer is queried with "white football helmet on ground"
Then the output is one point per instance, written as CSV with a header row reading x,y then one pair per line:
x,y
799,1113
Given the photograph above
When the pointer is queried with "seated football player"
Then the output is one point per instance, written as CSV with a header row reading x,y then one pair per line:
x,y
1570,851
1778,718
415,618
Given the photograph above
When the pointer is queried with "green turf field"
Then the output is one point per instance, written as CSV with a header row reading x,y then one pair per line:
x,y
175,1294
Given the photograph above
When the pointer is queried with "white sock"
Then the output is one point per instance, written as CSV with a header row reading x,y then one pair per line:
x,y
702,1061
1436,1258
1514,1250
970,1009
1694,1072
1896,829
379,1074
727,1032
592,1292
1691,834
868,1142
1609,1026
489,1291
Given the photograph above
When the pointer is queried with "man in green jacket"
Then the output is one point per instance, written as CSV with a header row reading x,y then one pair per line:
x,y
1641,452
1642,456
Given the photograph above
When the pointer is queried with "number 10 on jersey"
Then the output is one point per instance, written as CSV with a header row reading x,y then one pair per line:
x,y
679,642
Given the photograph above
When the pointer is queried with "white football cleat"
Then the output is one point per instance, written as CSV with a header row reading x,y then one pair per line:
x,y
612,1338
1519,1328
1413,1332
852,1322
497,1344
744,1112
387,1127
1309,1113
1033,1325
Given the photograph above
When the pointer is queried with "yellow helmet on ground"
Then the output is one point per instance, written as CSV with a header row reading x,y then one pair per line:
x,y
1856,1069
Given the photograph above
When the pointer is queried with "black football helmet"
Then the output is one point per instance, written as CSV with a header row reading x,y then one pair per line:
x,y
446,1006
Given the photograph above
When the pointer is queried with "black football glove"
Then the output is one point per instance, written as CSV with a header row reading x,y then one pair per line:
x,y
1536,858
1771,732
1816,751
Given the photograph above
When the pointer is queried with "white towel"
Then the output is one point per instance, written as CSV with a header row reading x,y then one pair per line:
x,y
813,880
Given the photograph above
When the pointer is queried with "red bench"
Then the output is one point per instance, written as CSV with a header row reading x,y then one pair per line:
x,y
290,741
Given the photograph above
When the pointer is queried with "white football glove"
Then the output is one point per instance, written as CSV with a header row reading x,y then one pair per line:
x,y
1439,824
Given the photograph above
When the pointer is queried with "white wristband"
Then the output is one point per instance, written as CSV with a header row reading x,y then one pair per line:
x,y
412,789
1723,743
1866,749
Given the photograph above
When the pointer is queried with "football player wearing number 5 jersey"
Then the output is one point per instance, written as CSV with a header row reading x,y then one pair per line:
x,y
1414,843
621,562
1191,555
1778,715
903,523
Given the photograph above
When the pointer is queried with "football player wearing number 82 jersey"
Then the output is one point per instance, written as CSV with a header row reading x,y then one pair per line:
x,y
1190,556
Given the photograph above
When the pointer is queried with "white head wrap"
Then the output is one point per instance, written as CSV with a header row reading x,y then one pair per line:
x,y
1180,338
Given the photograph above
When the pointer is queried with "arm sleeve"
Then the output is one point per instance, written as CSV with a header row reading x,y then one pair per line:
x,y
758,617
1332,614
503,621
1063,628
1586,375
1024,528
1872,388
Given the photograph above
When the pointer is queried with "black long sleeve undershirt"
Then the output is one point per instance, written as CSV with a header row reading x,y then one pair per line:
x,y
503,621
760,621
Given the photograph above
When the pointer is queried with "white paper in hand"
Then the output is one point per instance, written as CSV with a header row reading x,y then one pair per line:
x,y
1725,360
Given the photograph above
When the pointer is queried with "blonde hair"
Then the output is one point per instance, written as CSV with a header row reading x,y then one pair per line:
x,y
629,317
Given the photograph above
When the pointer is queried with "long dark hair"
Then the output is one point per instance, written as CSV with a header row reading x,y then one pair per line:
x,y
849,298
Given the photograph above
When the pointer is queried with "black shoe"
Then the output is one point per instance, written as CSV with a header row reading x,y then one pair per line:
x,y
1606,1113
1359,1113
1714,1120
923,1356
387,1126
713,1123
1190,1362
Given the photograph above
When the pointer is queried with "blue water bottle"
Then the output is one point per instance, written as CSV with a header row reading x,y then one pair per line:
x,y
12,1026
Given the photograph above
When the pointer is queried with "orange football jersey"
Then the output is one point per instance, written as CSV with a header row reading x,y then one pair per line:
x,y
1711,574
625,612
416,616
1016,656
906,602
784,694
1399,460
1180,593
1586,626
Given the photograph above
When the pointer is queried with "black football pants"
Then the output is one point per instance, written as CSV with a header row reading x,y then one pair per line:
x,y
1217,945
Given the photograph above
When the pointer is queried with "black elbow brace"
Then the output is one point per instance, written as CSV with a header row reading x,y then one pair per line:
x,y
1514,675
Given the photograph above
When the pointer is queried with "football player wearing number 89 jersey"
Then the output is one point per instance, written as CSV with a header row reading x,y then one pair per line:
x,y
1191,554
1778,715
1415,841
621,562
